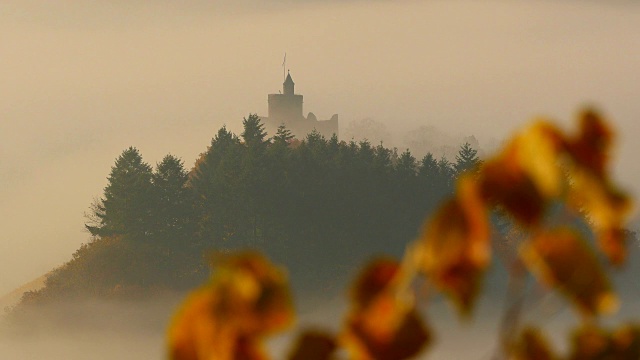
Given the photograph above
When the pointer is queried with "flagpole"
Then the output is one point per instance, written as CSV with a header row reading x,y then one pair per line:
x,y
284,63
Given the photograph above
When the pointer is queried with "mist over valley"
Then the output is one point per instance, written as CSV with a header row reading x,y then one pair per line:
x,y
111,110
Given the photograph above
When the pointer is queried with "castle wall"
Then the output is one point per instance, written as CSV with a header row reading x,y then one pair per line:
x,y
302,127
285,107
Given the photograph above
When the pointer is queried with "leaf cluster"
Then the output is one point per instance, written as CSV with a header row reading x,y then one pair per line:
x,y
539,169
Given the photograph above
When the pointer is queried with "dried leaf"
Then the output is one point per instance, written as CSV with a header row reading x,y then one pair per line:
x,y
456,247
532,346
505,183
560,258
369,338
314,345
626,342
592,343
246,300
606,207
192,333
613,243
590,149
537,151
374,280
382,325
526,175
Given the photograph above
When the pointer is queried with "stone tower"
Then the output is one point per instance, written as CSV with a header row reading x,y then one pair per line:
x,y
286,108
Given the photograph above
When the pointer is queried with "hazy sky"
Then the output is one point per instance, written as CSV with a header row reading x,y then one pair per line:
x,y
82,80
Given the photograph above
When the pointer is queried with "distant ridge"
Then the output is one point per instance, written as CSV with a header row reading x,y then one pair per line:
x,y
12,298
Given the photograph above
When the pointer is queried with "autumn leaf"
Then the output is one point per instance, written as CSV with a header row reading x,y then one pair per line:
x,y
532,345
314,345
375,279
590,148
526,175
455,247
625,342
504,183
246,299
606,208
381,324
592,343
591,190
560,258
537,152
367,338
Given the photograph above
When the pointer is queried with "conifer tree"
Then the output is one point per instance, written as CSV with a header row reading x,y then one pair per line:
x,y
254,174
428,167
172,198
282,136
254,135
125,208
467,159
446,176
217,189
406,166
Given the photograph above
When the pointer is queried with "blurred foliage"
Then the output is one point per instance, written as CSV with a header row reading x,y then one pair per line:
x,y
539,170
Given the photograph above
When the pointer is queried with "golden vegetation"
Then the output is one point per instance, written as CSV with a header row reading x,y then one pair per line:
x,y
540,170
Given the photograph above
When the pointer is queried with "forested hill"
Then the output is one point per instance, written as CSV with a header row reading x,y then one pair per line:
x,y
317,206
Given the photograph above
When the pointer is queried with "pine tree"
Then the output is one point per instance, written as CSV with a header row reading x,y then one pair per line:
x,y
217,190
126,206
172,198
406,166
282,136
446,176
428,167
254,135
254,173
467,159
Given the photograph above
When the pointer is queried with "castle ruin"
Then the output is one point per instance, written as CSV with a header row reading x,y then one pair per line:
x,y
286,109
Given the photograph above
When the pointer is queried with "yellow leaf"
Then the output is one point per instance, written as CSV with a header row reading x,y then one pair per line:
x,y
606,207
626,342
369,338
247,299
592,343
590,149
381,324
532,346
536,151
505,183
561,259
314,345
456,247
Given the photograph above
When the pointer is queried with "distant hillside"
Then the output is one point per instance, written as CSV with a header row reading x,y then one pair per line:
x,y
317,206
13,298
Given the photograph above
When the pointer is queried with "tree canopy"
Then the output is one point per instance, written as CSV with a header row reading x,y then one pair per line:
x,y
305,202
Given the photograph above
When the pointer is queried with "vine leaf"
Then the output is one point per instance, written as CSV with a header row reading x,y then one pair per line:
x,y
525,176
246,299
592,192
592,343
314,345
531,345
560,258
591,146
382,325
606,207
455,246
